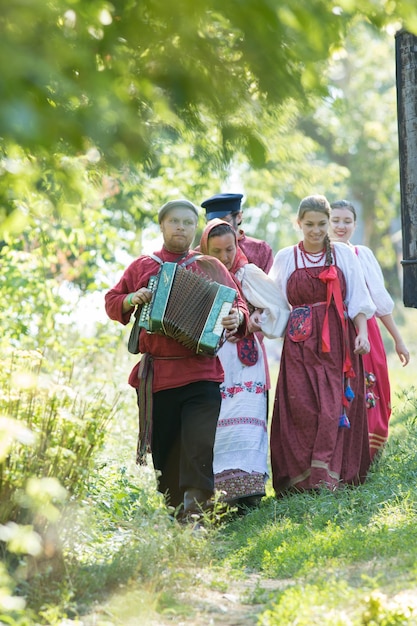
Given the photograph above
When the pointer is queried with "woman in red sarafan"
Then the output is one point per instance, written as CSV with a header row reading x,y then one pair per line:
x,y
319,435
378,394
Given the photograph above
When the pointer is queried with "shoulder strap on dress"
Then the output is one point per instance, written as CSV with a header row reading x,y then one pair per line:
x,y
296,256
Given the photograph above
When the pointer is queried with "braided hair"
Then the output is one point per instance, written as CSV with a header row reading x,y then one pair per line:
x,y
320,204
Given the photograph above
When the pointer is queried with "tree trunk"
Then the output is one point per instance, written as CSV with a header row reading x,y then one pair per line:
x,y
406,62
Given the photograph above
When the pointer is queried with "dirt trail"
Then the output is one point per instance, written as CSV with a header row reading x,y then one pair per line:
x,y
201,605
207,602
234,607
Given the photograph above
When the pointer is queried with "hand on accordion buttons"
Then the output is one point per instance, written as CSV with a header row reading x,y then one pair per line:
x,y
231,322
141,296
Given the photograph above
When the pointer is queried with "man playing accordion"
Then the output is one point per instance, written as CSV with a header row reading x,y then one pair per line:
x,y
178,390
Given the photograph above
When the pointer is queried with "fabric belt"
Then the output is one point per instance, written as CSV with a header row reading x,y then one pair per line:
x,y
145,394
297,306
301,306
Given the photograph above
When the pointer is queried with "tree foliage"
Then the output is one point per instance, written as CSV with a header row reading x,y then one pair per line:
x,y
109,109
106,74
106,79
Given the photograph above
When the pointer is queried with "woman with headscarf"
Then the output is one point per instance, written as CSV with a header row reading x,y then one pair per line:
x,y
241,445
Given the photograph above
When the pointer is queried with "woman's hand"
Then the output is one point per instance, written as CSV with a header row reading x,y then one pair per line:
x,y
254,321
403,353
362,345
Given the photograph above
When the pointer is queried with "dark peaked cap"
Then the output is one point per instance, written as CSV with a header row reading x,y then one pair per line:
x,y
222,204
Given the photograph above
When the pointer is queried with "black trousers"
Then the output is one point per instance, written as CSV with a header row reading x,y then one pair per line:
x,y
183,433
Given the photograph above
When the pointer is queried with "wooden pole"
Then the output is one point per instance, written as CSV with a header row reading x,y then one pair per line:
x,y
406,67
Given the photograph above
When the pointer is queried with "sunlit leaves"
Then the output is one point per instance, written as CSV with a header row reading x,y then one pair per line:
x,y
97,72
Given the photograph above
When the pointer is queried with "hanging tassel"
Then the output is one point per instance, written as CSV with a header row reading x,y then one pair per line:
x,y
371,399
344,421
370,380
349,393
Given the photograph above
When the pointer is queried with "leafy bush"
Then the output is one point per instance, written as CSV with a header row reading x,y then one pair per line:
x,y
48,437
65,429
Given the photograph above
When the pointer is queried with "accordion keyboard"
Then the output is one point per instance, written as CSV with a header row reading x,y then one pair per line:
x,y
187,307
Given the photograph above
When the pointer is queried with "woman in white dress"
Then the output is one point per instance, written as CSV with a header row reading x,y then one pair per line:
x,y
241,447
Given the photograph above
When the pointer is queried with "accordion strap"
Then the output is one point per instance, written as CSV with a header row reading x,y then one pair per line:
x,y
191,260
156,258
183,264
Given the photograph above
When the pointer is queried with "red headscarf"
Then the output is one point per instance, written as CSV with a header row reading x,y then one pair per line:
x,y
240,258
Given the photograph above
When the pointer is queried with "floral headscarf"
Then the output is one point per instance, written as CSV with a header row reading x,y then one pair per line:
x,y
240,258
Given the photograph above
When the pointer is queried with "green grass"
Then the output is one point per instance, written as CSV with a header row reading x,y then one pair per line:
x,y
337,558
345,558
342,557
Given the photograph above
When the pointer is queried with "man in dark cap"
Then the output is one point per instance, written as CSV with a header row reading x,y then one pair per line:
x,y
179,391
227,206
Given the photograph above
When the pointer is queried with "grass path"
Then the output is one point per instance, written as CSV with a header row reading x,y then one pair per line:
x,y
344,559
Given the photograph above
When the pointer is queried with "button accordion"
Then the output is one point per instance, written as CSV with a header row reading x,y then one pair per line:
x,y
187,307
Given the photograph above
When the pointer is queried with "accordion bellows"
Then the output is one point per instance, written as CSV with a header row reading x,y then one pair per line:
x,y
187,307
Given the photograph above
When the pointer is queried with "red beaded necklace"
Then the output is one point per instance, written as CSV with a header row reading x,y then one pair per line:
x,y
319,256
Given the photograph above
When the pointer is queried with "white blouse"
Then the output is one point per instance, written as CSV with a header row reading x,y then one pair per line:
x,y
357,300
260,290
374,281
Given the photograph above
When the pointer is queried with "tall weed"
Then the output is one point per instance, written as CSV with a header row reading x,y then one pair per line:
x,y
49,435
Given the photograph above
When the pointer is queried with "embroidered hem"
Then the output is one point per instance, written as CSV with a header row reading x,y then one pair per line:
x,y
239,484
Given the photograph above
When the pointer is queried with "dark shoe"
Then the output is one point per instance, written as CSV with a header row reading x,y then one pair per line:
x,y
248,503
252,502
195,500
